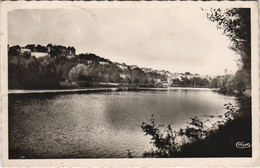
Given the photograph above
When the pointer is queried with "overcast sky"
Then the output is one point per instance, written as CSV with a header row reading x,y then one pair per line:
x,y
163,39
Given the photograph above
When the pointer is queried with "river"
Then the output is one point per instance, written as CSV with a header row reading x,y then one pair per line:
x,y
100,125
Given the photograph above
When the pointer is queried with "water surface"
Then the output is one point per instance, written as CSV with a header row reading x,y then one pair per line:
x,y
100,125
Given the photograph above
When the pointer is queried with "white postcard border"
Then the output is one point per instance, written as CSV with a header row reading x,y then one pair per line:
x,y
162,162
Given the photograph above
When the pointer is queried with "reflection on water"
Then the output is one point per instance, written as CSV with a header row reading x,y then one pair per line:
x,y
99,125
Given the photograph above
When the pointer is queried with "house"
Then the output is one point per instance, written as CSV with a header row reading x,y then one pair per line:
x,y
89,61
122,75
71,51
165,84
169,80
25,50
133,67
71,56
157,80
122,66
39,54
189,76
49,49
103,63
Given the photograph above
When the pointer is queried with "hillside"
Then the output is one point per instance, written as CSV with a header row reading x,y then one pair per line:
x,y
53,66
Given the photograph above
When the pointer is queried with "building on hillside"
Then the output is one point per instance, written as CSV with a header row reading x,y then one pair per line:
x,y
71,51
89,61
157,80
169,80
122,66
122,75
189,76
25,50
103,62
177,76
165,84
133,67
39,54
49,49
71,56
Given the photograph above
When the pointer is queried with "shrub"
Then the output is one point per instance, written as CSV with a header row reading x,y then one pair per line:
x,y
170,143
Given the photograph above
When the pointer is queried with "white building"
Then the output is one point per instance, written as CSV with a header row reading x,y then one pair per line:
x,y
25,50
103,63
157,80
70,56
122,75
89,61
39,54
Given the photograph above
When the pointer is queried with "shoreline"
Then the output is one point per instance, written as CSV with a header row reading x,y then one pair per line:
x,y
178,88
102,89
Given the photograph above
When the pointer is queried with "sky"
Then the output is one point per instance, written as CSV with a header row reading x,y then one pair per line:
x,y
163,38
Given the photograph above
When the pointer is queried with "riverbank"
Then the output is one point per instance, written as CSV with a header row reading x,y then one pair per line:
x,y
102,89
247,93
233,139
177,88
63,90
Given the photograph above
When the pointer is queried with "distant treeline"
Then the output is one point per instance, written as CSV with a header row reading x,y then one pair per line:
x,y
62,64
192,82
28,72
232,83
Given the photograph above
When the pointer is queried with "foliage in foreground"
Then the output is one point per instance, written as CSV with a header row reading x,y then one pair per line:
x,y
202,139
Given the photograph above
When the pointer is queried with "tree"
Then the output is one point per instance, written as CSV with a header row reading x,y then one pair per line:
x,y
40,48
150,80
49,45
82,71
135,80
48,75
100,77
241,83
79,73
235,24
73,75
214,82
30,47
14,51
186,81
66,69
127,80
176,82
115,78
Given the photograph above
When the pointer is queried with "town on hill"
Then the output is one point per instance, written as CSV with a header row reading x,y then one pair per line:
x,y
56,66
